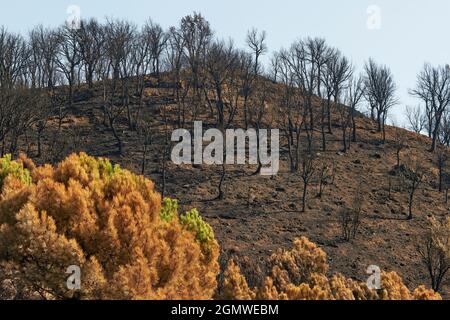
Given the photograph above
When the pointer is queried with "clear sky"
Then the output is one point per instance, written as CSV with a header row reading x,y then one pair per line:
x,y
400,33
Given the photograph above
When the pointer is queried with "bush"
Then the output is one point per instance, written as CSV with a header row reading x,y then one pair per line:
x,y
301,274
107,221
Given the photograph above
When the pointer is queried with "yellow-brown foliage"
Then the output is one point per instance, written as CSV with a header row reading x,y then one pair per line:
x,y
235,285
301,274
111,223
86,212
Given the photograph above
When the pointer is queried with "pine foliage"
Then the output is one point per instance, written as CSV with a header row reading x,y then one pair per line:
x,y
110,223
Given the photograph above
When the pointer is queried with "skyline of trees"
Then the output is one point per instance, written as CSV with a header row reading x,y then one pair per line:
x,y
205,70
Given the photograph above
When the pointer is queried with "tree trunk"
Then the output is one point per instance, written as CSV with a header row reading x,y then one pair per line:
x,y
119,141
305,185
411,197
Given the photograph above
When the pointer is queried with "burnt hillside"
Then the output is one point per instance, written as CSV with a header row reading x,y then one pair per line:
x,y
259,214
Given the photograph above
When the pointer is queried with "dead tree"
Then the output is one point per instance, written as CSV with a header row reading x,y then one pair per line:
x,y
324,178
176,62
291,118
380,92
112,108
166,151
327,93
353,92
43,114
307,170
257,43
413,177
69,57
45,48
357,93
303,75
320,54
91,38
118,50
274,67
400,143
339,71
247,79
13,66
141,63
444,132
145,131
441,160
157,40
196,34
258,111
221,62
416,119
433,88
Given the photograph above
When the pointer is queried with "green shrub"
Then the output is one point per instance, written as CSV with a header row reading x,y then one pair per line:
x,y
13,168
193,222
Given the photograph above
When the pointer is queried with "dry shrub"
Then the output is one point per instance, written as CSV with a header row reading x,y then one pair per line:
x,y
235,285
109,222
300,274
298,264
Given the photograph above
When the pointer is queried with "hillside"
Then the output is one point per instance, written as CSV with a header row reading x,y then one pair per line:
x,y
261,214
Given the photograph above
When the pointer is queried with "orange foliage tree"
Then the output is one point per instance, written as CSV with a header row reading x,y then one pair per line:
x,y
109,222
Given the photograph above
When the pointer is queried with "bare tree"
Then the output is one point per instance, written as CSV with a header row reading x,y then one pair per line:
x,y
221,63
164,158
119,51
324,177
380,91
16,99
69,57
303,73
307,170
441,160
350,217
145,133
433,88
400,143
43,110
274,67
45,47
257,43
416,119
247,80
327,94
140,61
157,39
291,117
113,71
91,38
196,34
444,131
176,61
251,68
413,175
353,93
339,70
357,92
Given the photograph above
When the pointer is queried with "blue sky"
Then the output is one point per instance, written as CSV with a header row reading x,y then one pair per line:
x,y
411,31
